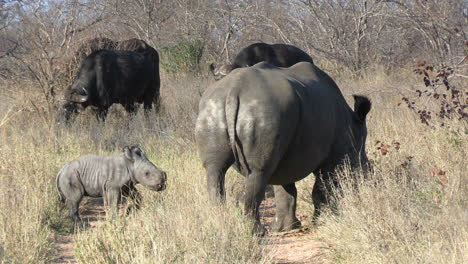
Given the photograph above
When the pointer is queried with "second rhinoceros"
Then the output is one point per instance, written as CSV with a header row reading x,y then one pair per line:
x,y
276,126
107,177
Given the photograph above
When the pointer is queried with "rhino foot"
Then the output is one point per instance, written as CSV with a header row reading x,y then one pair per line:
x,y
286,225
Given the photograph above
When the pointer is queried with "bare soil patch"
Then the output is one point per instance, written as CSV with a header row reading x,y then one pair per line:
x,y
295,247
91,211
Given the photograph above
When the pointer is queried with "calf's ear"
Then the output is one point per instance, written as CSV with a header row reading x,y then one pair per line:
x,y
133,153
128,153
137,152
362,106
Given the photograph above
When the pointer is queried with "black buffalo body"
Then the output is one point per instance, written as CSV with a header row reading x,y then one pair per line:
x,y
280,55
107,77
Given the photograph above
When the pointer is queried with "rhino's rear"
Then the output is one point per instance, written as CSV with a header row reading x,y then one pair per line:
x,y
57,179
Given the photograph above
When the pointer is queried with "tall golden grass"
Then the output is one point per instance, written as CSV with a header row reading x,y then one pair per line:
x,y
404,212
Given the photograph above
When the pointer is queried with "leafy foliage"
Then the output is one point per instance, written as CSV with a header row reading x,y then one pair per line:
x,y
443,90
184,57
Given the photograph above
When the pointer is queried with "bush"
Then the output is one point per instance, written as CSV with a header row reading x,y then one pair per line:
x,y
442,98
182,58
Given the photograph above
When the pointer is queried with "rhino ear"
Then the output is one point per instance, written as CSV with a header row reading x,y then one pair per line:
x,y
133,152
362,106
128,153
137,152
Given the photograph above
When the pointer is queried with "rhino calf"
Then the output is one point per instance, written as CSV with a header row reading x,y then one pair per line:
x,y
107,177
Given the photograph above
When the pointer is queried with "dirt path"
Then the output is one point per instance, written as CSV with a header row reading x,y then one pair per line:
x,y
296,247
64,249
92,211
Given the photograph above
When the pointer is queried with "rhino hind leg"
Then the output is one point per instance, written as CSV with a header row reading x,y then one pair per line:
x,y
72,192
216,173
217,156
73,207
253,194
286,198
73,198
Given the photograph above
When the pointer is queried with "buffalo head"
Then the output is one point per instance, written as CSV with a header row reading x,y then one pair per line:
x,y
220,71
71,102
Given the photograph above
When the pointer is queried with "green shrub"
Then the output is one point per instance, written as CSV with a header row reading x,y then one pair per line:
x,y
182,58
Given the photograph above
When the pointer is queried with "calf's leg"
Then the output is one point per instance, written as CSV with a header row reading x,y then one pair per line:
x,y
112,200
73,207
72,191
134,194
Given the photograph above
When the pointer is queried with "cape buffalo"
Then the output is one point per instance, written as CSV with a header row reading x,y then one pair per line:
x,y
69,68
281,55
96,44
108,177
93,45
107,77
276,126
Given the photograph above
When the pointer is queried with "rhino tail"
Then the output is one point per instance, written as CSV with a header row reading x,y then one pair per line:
x,y
59,191
232,110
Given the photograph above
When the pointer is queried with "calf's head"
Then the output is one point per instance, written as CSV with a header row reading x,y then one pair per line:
x,y
144,171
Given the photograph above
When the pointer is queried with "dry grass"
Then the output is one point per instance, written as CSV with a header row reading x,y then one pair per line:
x,y
398,215
176,226
403,213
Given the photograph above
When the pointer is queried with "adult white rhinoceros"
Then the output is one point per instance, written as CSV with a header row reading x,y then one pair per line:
x,y
276,126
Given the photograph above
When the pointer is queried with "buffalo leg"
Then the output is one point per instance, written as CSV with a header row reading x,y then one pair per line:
x,y
151,97
131,108
147,106
286,198
101,114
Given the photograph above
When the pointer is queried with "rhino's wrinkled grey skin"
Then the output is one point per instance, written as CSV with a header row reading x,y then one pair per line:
x,y
108,177
276,126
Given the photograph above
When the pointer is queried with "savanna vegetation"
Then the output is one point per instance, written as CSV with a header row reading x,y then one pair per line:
x,y
411,208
